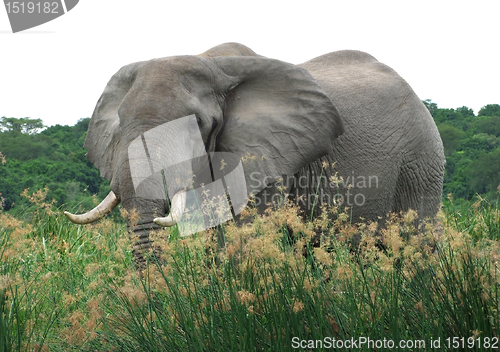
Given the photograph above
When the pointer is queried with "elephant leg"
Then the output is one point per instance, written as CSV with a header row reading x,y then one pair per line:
x,y
419,188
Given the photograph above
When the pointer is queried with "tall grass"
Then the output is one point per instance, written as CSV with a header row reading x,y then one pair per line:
x,y
65,287
51,278
481,218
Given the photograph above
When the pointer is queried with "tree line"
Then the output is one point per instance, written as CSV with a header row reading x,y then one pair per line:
x,y
34,157
472,149
53,158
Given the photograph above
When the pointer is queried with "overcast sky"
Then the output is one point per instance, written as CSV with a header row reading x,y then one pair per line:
x,y
448,51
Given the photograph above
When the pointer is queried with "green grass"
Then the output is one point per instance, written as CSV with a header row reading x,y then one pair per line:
x,y
480,218
66,287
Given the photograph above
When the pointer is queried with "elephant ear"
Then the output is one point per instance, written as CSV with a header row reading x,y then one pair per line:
x,y
277,118
103,136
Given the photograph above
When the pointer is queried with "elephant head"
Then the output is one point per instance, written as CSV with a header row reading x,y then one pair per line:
x,y
232,101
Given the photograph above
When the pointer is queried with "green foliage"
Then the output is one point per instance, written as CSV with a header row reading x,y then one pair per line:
x,y
22,125
480,219
53,158
451,136
490,110
484,173
460,117
472,149
65,287
489,125
49,268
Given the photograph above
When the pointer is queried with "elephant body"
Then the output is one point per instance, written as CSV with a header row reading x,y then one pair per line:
x,y
287,123
390,155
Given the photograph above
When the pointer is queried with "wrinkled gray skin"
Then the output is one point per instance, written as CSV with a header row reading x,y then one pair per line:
x,y
343,107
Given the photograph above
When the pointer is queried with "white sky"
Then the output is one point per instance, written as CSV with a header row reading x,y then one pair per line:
x,y
447,50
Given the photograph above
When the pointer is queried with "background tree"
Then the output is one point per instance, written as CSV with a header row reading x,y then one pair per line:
x,y
54,158
22,125
489,125
472,149
451,136
490,110
485,173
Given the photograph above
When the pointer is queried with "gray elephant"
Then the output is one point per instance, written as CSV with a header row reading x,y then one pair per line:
x,y
289,123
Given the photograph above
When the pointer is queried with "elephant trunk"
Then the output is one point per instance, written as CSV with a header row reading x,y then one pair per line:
x,y
140,226
105,207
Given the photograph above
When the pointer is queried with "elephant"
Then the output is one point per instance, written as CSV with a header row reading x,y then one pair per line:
x,y
341,129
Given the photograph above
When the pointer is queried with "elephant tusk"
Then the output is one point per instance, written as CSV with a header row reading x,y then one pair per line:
x,y
176,211
106,206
